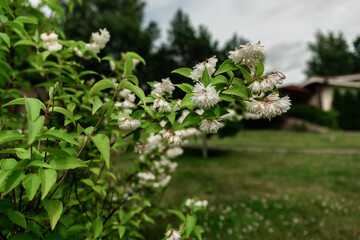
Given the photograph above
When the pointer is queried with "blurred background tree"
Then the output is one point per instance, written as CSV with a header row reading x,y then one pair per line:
x,y
330,55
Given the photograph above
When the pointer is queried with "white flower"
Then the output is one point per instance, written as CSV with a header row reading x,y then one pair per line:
x,y
135,61
101,38
50,41
277,77
125,92
205,98
163,182
128,124
271,106
203,203
52,46
267,85
199,68
255,87
112,65
191,202
51,36
172,137
248,54
78,52
145,177
174,152
162,106
163,87
92,47
209,126
173,235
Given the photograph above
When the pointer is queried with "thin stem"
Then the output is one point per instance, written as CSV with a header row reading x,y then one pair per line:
x,y
83,146
82,205
115,209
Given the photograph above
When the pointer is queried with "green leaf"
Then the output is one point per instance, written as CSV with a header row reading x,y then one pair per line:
x,y
259,69
190,224
101,85
121,230
96,105
220,79
185,87
17,218
153,127
191,118
238,90
133,79
25,19
5,5
102,143
3,19
97,227
136,56
205,77
34,129
31,184
6,38
48,179
178,214
244,70
128,65
13,180
135,89
32,107
63,163
54,209
38,163
186,102
25,42
59,134
171,116
21,101
183,71
65,112
226,97
8,164
9,136
198,231
226,66
87,72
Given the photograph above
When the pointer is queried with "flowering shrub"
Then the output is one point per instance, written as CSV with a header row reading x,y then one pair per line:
x,y
60,152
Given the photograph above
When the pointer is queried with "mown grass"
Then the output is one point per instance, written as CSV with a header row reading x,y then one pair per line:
x,y
273,195
273,138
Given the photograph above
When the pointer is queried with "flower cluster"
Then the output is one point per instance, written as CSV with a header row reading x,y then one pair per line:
x,y
173,235
50,41
210,126
205,97
162,106
99,40
163,88
194,203
172,137
199,68
270,106
267,83
128,124
248,54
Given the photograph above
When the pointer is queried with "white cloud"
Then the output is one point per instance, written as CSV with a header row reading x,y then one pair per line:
x,y
284,27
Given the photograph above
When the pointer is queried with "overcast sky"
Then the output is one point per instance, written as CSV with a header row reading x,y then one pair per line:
x,y
283,26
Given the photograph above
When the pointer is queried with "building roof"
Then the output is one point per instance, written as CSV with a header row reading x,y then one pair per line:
x,y
351,80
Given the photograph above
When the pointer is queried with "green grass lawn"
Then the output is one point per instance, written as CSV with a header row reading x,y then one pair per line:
x,y
274,138
274,195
